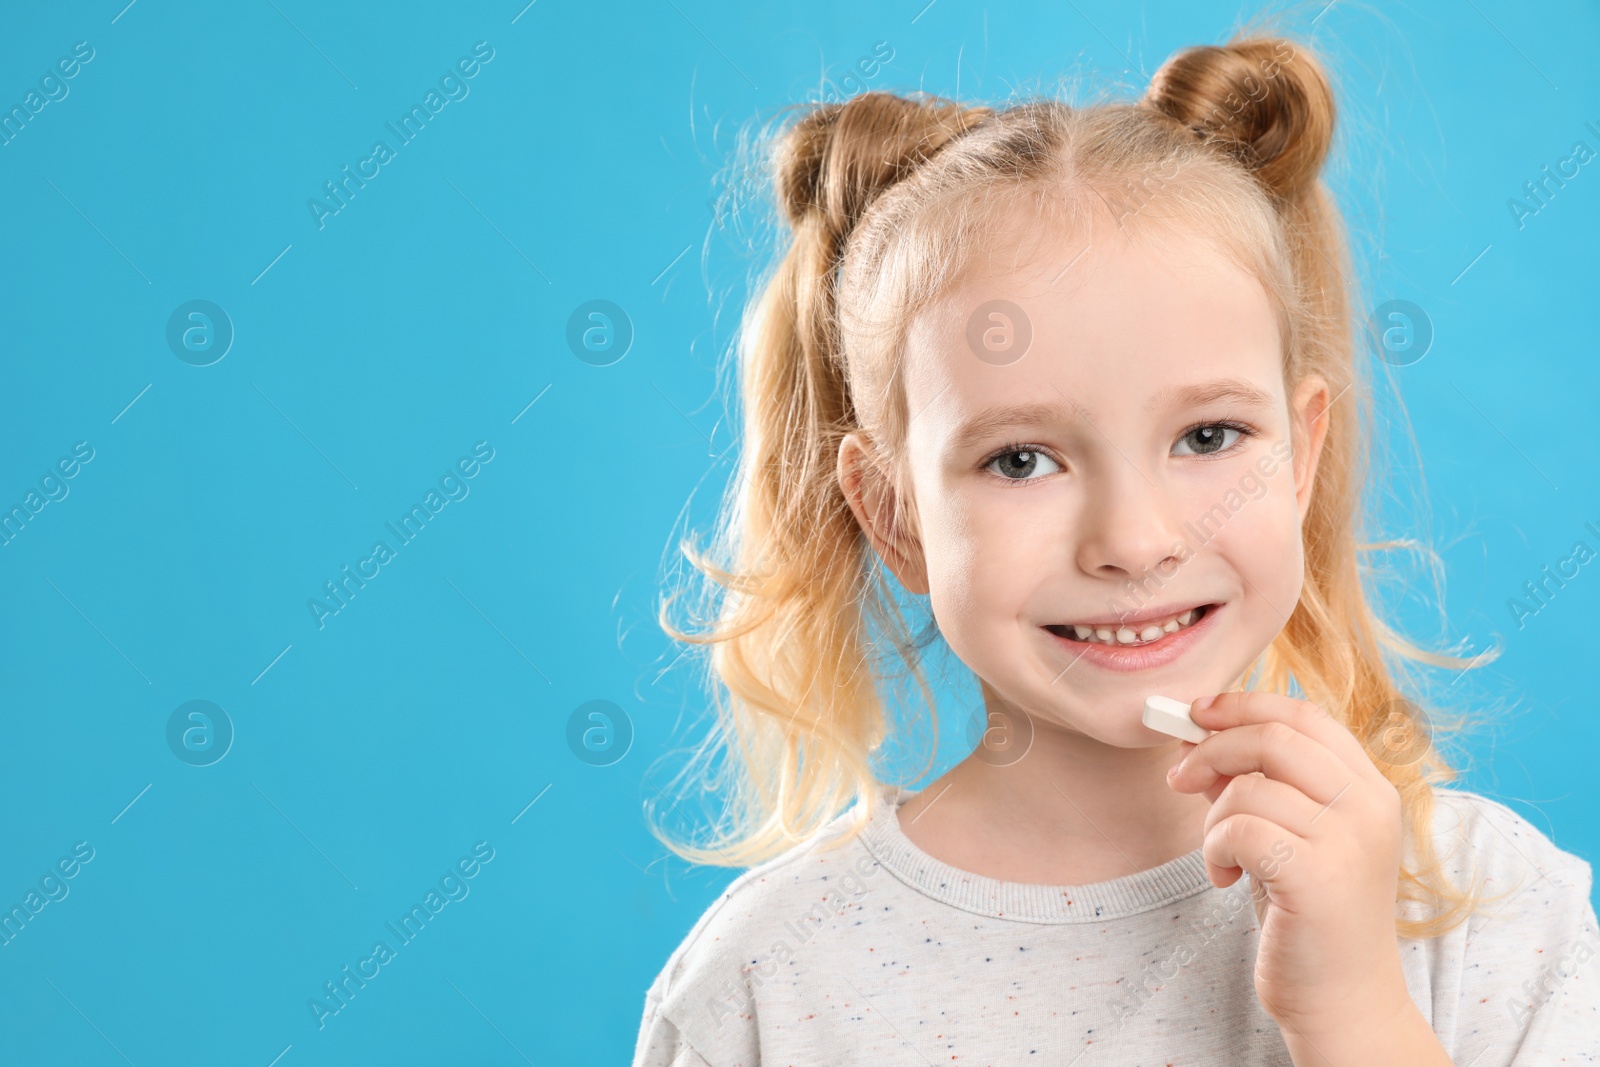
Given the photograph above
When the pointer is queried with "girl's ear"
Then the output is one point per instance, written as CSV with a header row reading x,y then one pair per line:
x,y
1310,409
872,499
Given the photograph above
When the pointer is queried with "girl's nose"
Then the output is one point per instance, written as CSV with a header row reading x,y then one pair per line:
x,y
1130,525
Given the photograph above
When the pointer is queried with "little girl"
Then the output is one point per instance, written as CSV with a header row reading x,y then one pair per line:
x,y
1085,378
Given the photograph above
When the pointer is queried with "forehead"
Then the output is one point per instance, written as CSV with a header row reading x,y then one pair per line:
x,y
1111,321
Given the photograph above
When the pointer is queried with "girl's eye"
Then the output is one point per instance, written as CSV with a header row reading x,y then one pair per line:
x,y
1209,438
1019,464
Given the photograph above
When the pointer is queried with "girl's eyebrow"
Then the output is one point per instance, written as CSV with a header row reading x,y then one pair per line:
x,y
978,429
1235,389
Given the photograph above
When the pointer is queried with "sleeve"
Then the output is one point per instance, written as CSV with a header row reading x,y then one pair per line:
x,y
1530,983
662,1044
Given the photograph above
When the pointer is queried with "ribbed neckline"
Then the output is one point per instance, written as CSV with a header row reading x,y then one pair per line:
x,y
1019,901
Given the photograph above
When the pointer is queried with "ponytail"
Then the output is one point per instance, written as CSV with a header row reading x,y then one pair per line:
x,y
1270,108
791,636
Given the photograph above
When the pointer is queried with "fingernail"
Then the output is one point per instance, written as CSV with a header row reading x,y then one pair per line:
x,y
1172,771
1202,704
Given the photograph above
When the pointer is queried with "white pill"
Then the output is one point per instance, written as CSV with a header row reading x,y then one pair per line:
x,y
1172,717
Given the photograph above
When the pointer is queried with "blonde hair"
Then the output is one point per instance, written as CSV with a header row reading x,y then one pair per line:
x,y
887,196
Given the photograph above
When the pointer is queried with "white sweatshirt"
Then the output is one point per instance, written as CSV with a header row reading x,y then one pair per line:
x,y
877,954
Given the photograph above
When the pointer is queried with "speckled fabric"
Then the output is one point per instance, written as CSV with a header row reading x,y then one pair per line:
x,y
875,953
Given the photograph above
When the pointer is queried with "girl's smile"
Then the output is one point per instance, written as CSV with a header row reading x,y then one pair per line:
x,y
1139,642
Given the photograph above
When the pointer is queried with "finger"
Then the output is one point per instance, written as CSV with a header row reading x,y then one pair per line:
x,y
1253,706
1276,750
1242,843
1253,794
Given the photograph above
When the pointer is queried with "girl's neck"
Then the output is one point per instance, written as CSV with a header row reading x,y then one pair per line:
x,y
1072,811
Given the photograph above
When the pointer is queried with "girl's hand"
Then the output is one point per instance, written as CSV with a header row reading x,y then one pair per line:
x,y
1297,802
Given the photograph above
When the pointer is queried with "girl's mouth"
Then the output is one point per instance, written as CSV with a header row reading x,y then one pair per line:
x,y
1152,641
1138,634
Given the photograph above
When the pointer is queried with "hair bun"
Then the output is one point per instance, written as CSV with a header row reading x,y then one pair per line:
x,y
839,157
1264,102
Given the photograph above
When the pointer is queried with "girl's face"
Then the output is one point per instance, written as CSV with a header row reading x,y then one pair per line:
x,y
1129,476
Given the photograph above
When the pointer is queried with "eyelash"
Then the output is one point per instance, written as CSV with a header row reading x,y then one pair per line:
x,y
1245,430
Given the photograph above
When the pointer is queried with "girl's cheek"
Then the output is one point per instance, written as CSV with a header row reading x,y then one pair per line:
x,y
980,565
965,554
1263,544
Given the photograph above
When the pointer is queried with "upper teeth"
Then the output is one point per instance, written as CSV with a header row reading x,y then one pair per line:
x,y
1126,635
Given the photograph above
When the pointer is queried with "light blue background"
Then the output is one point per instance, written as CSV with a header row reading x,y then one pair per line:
x,y
426,316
